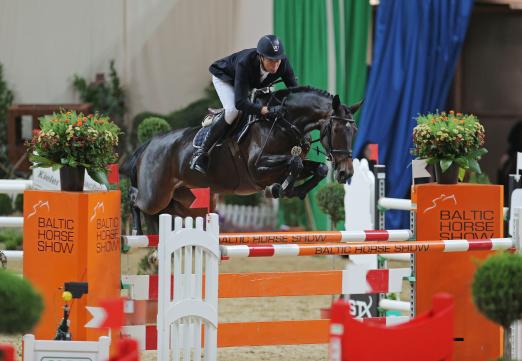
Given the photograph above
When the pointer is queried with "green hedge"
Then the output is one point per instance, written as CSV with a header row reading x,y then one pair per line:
x,y
20,305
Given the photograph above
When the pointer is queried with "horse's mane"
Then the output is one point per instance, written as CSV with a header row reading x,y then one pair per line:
x,y
302,89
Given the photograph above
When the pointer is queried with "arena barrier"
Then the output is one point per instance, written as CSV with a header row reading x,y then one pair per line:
x,y
191,303
13,186
206,248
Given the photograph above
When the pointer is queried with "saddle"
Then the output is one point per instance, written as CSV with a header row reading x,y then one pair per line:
x,y
237,132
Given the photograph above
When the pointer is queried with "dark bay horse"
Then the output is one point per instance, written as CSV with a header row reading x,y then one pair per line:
x,y
270,156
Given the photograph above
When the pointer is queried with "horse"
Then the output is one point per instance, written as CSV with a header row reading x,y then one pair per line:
x,y
270,155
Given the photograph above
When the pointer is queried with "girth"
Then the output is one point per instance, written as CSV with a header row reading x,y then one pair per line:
x,y
246,181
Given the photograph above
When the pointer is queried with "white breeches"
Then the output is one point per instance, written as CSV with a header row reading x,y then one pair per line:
x,y
225,92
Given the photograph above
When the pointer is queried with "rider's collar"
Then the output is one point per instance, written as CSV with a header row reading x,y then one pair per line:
x,y
263,72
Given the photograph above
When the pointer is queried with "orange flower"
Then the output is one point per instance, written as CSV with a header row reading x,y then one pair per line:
x,y
80,123
452,112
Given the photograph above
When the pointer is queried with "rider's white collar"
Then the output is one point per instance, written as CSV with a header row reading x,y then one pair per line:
x,y
264,73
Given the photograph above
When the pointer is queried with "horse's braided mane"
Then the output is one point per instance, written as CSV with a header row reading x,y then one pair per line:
x,y
303,89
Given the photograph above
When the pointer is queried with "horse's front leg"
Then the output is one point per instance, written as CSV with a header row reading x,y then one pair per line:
x,y
288,166
295,166
317,170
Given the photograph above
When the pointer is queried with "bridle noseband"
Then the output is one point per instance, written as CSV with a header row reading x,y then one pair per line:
x,y
327,132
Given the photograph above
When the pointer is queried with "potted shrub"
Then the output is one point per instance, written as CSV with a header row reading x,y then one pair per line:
x,y
497,292
73,143
449,142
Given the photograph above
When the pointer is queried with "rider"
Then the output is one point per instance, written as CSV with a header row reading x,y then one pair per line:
x,y
234,77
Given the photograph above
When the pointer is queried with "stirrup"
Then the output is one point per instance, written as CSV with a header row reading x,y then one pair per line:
x,y
199,163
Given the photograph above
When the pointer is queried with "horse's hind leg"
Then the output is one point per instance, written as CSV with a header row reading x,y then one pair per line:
x,y
152,222
135,211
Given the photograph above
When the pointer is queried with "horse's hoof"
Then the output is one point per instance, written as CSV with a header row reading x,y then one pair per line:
x,y
273,191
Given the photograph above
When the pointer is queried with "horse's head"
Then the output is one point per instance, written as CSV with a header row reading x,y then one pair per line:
x,y
306,109
337,133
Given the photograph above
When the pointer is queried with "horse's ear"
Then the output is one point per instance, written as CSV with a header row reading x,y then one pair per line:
x,y
355,107
336,102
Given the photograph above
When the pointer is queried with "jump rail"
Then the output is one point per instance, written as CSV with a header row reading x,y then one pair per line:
x,y
461,245
14,185
11,222
286,237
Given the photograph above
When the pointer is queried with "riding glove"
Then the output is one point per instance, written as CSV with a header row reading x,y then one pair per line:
x,y
273,112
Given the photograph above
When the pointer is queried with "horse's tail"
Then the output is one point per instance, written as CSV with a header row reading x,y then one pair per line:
x,y
129,167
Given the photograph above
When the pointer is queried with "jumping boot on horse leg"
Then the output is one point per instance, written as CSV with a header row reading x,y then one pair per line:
x,y
217,131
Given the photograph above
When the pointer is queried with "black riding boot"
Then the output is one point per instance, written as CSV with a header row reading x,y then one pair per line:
x,y
217,131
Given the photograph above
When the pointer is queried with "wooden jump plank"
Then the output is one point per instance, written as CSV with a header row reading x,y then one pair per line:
x,y
272,284
273,333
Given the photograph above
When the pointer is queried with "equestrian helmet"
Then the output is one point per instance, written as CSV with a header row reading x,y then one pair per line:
x,y
269,46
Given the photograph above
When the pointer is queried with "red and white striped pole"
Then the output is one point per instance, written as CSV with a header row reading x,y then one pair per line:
x,y
254,238
318,249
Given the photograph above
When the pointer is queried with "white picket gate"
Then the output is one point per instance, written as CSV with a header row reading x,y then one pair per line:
x,y
185,253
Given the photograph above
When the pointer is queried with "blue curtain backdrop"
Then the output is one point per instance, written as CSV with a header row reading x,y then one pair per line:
x,y
417,44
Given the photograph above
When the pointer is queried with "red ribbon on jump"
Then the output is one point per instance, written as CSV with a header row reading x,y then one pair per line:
x,y
202,198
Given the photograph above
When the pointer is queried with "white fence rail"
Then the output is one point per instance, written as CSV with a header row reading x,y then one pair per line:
x,y
14,186
264,216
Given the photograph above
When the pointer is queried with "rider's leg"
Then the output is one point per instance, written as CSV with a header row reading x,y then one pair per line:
x,y
218,128
226,95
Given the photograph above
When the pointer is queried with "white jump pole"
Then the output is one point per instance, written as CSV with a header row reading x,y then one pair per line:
x,y
13,255
14,185
11,221
393,305
401,257
395,203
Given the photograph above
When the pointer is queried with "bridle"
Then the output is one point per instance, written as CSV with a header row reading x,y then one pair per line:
x,y
327,132
288,127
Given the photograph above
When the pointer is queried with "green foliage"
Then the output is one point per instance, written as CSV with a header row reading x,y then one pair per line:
x,y
497,292
330,199
497,288
481,178
20,305
447,138
148,264
6,205
250,200
6,99
138,119
105,97
19,203
151,127
75,140
12,238
190,116
294,212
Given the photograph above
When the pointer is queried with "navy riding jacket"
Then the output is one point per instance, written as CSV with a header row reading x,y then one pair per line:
x,y
242,70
